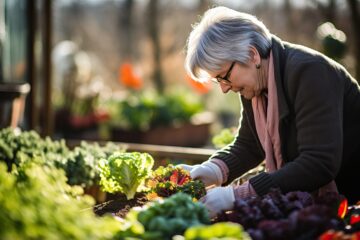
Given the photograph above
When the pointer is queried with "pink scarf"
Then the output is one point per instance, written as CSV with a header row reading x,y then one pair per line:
x,y
267,122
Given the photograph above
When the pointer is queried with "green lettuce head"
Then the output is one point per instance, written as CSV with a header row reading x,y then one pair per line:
x,y
125,172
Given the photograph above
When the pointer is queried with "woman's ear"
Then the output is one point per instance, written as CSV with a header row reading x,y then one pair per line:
x,y
255,57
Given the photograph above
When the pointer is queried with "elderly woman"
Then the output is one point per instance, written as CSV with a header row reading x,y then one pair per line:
x,y
301,112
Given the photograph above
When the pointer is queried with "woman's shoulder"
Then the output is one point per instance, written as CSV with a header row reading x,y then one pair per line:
x,y
299,58
300,54
295,61
293,57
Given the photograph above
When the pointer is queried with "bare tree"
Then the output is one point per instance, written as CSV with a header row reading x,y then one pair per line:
x,y
328,10
355,20
126,21
152,19
289,13
203,5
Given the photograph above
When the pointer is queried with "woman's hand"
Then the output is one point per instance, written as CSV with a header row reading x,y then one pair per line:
x,y
219,199
209,173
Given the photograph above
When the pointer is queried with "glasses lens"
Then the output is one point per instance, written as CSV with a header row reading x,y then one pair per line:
x,y
229,72
225,80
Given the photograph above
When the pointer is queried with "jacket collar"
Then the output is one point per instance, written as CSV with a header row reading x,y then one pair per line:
x,y
279,57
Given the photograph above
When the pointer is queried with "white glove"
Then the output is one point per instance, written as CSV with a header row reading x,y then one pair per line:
x,y
209,173
219,199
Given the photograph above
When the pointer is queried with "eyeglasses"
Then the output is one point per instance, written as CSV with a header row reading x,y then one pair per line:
x,y
225,79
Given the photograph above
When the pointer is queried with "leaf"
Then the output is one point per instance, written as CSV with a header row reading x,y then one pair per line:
x,y
125,172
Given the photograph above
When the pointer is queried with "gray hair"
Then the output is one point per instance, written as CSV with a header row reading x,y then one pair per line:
x,y
224,35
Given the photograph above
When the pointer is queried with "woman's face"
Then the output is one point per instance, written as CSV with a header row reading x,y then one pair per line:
x,y
243,78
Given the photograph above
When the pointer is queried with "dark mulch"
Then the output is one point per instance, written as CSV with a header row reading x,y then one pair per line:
x,y
119,206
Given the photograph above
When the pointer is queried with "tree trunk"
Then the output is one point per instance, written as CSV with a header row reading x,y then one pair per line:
x,y
290,23
153,14
203,6
48,118
126,21
355,20
328,10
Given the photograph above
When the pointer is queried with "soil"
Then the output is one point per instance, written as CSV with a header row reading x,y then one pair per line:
x,y
119,206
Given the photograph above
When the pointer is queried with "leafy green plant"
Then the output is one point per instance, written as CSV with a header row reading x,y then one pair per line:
x,y
166,181
81,166
163,219
36,203
125,172
142,111
224,231
225,137
18,147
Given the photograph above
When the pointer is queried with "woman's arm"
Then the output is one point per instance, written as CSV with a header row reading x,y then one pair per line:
x,y
245,152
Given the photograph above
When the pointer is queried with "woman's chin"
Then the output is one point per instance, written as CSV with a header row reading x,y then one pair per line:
x,y
248,96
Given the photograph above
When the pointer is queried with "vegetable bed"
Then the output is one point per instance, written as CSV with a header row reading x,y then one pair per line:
x,y
296,215
41,197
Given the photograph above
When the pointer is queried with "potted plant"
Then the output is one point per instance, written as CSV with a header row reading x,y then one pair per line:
x,y
149,116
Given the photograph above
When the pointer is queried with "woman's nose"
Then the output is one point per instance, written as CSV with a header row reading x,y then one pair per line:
x,y
225,88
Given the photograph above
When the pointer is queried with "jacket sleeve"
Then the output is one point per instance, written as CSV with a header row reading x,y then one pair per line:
x,y
244,153
316,94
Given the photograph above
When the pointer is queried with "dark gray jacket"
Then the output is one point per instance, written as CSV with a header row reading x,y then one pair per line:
x,y
319,126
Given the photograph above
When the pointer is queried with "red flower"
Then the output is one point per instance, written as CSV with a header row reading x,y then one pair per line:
x,y
101,116
355,218
179,178
184,180
174,177
329,235
342,210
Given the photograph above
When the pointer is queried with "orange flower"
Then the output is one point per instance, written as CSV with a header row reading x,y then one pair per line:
x,y
201,88
128,77
152,196
151,183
